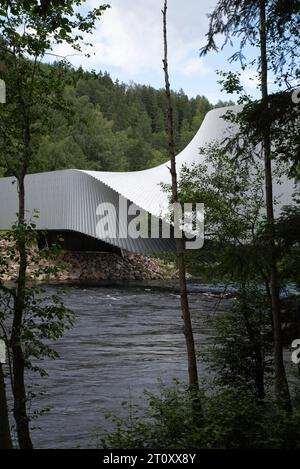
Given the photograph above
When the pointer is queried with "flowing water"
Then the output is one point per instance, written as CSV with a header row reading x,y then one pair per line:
x,y
123,341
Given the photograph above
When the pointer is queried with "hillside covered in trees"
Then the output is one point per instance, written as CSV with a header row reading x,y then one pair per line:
x,y
112,126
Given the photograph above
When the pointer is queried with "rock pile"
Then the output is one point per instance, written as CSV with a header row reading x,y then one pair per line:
x,y
91,266
110,266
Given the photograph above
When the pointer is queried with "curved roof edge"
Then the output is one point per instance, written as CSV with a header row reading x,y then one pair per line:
x,y
69,199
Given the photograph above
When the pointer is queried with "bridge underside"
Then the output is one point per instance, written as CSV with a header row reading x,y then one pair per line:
x,y
74,241
80,204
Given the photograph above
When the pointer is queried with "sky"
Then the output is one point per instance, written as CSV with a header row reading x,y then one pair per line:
x,y
128,44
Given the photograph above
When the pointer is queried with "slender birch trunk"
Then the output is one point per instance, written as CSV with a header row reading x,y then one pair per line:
x,y
281,385
188,330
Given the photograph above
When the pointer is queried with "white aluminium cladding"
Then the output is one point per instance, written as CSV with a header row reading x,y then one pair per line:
x,y
68,199
144,187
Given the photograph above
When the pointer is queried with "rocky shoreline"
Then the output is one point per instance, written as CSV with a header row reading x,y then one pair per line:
x,y
77,267
95,266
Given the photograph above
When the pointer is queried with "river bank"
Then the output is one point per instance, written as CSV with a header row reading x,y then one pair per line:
x,y
83,267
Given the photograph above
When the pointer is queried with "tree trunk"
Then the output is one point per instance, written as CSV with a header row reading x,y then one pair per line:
x,y
188,331
5,436
19,390
18,361
281,385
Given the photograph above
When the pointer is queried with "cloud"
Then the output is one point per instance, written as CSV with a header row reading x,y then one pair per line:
x,y
194,66
249,79
128,37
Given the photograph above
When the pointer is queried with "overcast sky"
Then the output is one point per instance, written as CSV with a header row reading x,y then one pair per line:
x,y
128,44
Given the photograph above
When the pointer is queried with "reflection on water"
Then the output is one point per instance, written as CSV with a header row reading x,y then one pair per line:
x,y
124,339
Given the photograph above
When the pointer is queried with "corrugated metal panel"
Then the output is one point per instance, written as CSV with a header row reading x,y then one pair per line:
x,y
68,199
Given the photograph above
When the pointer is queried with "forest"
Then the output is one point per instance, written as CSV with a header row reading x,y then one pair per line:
x,y
111,126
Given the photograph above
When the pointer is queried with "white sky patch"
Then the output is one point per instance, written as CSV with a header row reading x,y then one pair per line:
x,y
194,66
2,352
124,42
249,79
128,38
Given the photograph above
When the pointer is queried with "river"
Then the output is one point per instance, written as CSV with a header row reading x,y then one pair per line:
x,y
125,338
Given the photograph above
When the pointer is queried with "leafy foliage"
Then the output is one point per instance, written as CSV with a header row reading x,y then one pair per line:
x,y
231,420
45,317
240,356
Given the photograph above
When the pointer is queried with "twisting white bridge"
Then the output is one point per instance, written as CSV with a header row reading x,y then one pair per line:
x,y
67,200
